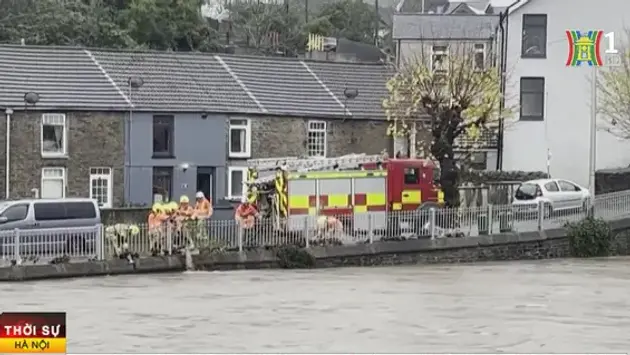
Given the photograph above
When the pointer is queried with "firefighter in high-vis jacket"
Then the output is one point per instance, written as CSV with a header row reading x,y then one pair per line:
x,y
246,214
329,227
121,236
157,228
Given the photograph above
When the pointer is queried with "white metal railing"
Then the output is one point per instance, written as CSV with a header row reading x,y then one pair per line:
x,y
99,242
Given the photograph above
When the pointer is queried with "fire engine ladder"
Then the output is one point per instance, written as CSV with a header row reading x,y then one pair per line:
x,y
345,162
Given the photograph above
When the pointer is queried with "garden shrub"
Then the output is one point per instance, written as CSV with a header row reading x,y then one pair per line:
x,y
589,238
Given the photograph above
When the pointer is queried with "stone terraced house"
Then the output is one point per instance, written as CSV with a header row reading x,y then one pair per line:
x,y
130,127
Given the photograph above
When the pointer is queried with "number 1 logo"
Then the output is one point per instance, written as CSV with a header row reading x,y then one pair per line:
x,y
585,47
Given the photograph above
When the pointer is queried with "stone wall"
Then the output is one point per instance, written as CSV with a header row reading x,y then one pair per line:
x,y
94,139
509,246
286,136
547,244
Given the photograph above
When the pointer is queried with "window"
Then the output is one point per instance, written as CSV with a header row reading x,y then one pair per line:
x,y
534,40
54,135
411,176
236,180
532,99
567,186
480,56
478,161
439,59
101,186
552,186
240,138
162,183
527,192
163,136
53,183
316,144
51,211
79,210
16,213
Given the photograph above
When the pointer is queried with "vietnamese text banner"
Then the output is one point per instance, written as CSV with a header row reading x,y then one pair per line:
x,y
26,333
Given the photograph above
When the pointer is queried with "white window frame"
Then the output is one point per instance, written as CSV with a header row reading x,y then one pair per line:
x,y
99,173
48,117
231,169
63,178
315,126
248,137
479,48
443,52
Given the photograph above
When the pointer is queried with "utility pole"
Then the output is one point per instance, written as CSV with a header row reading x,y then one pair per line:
x,y
593,132
376,22
305,11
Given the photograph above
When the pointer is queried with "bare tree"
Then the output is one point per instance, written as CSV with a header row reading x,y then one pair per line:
x,y
448,93
614,92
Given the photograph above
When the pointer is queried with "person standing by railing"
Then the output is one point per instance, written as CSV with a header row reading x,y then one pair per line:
x,y
245,216
329,227
157,230
202,213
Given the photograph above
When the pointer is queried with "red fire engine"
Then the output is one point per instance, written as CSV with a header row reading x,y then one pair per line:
x,y
350,185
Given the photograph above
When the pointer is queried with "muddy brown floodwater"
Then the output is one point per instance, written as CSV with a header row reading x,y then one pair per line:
x,y
547,306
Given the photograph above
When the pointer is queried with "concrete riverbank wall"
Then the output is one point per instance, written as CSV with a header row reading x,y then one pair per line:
x,y
509,246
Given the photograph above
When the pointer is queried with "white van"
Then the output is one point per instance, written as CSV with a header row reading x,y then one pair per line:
x,y
50,226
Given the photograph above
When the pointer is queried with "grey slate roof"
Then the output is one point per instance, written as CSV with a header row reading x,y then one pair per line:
x,y
61,77
75,78
284,86
176,81
368,79
434,26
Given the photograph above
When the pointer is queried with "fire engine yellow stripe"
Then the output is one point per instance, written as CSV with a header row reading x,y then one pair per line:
x,y
360,209
298,201
338,174
411,196
440,196
337,200
312,211
397,206
375,199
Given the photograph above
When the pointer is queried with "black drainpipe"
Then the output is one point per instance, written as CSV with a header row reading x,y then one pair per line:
x,y
503,26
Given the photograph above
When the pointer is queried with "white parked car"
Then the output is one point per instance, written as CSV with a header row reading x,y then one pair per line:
x,y
555,194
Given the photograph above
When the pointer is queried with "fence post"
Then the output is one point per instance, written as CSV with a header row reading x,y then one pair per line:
x,y
308,243
16,246
169,240
491,218
241,230
100,246
541,215
370,228
432,226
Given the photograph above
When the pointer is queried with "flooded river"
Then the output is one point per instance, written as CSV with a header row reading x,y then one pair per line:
x,y
549,306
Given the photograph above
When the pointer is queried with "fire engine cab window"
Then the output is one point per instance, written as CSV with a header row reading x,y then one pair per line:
x,y
411,175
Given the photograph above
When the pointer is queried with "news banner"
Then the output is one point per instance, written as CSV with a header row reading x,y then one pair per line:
x,y
45,333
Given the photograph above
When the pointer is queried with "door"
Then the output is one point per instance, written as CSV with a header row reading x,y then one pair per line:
x,y
572,194
15,217
205,181
553,193
403,185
